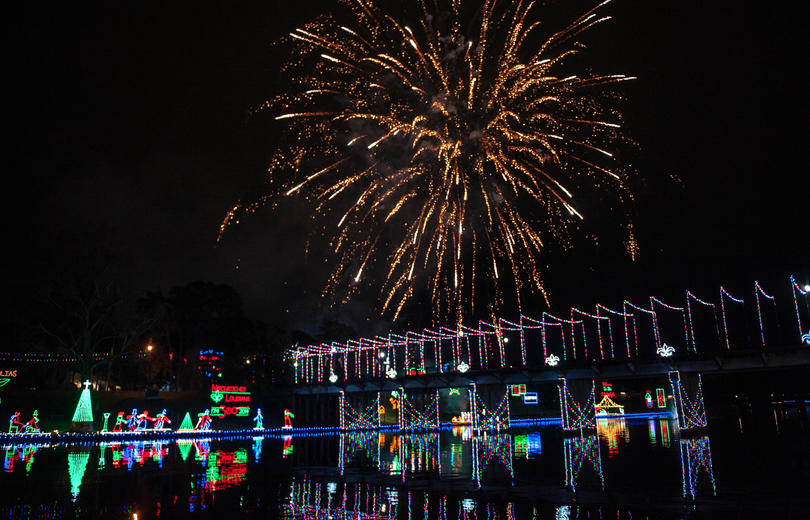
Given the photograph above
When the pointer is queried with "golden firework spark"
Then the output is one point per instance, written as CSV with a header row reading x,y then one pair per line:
x,y
447,159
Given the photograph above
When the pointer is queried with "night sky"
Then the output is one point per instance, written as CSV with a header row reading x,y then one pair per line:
x,y
132,140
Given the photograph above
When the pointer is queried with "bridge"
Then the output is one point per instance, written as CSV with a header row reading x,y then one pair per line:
x,y
698,336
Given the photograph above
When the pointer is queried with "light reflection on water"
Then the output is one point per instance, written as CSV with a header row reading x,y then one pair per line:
x,y
528,473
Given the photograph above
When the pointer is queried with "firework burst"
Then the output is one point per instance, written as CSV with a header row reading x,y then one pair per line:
x,y
444,159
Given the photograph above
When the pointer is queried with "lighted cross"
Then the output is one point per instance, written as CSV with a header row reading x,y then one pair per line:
x,y
86,384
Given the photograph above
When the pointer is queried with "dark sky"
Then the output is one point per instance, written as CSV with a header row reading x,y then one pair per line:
x,y
132,141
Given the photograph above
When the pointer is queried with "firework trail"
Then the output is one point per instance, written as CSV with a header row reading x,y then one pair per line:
x,y
444,159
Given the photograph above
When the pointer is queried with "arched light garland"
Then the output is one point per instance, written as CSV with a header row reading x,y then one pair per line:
x,y
484,347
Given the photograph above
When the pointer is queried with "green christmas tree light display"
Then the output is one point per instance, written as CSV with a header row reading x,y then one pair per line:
x,y
187,424
84,410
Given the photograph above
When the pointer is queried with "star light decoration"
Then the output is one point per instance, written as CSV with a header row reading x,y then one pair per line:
x,y
463,367
552,360
665,350
806,338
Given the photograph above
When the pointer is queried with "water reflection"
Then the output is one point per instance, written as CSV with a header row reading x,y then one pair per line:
x,y
77,465
612,430
309,498
367,475
492,448
22,454
582,453
696,464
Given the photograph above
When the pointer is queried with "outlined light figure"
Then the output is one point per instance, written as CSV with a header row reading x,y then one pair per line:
x,y
552,360
665,350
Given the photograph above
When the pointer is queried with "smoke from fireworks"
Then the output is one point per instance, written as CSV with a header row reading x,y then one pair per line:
x,y
444,160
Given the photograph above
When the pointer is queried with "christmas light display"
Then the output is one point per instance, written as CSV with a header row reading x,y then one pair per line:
x,y
723,295
106,420
757,292
552,361
689,316
120,423
795,291
258,420
665,351
485,449
203,420
661,397
648,399
656,326
186,424
32,426
691,410
359,443
161,420
62,359
576,415
461,348
143,420
14,423
84,409
22,453
352,419
132,420
77,464
486,418
184,446
606,406
577,451
412,418
696,459
625,316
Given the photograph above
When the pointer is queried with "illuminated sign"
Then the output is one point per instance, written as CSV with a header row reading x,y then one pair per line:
x,y
661,397
236,411
8,373
230,400
607,390
648,399
518,390
530,398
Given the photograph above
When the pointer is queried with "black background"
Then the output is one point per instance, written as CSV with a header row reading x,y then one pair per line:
x,y
131,140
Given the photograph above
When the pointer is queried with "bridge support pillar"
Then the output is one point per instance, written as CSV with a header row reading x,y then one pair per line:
x,y
687,391
577,404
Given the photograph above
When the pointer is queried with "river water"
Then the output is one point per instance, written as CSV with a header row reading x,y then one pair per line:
x,y
632,469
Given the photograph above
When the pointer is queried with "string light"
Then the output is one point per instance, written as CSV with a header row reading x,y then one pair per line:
x,y
696,458
576,415
757,291
461,349
794,288
691,410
